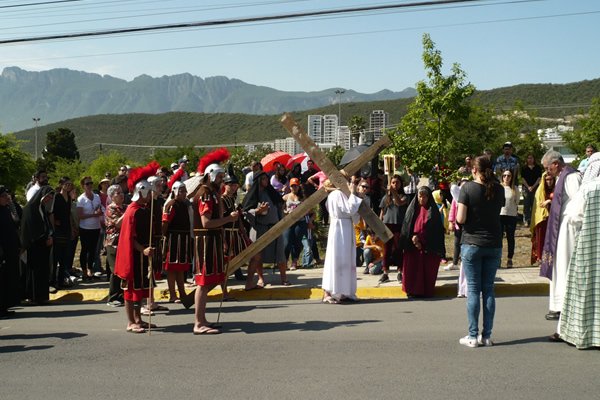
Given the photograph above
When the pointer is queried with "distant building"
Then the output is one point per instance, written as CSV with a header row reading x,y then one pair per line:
x,y
289,145
322,129
552,139
343,137
378,120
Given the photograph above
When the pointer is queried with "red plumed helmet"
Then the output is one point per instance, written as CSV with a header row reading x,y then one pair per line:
x,y
139,173
214,157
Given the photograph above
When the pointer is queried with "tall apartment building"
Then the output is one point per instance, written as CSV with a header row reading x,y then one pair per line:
x,y
343,137
322,129
378,120
289,145
315,128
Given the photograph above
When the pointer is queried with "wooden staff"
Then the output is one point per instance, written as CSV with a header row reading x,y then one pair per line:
x,y
150,270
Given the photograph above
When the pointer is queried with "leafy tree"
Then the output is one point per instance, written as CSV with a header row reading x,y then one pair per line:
x,y
74,169
425,132
106,163
356,124
587,132
336,154
165,157
520,128
60,143
16,166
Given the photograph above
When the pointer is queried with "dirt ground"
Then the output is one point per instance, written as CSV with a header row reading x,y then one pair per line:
x,y
522,257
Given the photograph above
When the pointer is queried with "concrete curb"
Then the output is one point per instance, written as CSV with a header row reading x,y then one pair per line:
x,y
305,293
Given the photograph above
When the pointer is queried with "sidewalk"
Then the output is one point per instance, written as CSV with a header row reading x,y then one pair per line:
x,y
306,284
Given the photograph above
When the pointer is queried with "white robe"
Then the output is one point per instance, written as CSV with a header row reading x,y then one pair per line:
x,y
339,272
565,245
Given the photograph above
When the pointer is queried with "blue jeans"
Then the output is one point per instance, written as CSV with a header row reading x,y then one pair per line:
x,y
480,265
307,256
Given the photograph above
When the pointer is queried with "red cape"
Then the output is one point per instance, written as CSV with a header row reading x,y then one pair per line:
x,y
125,249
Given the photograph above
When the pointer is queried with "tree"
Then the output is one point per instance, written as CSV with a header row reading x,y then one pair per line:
x,y
587,132
106,162
75,170
165,157
16,166
357,125
520,128
60,143
426,132
335,154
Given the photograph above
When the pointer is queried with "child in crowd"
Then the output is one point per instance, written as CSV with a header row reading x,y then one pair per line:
x,y
373,254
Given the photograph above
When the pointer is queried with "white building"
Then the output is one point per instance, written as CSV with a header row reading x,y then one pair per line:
x,y
378,120
289,145
552,139
330,126
315,128
343,137
323,130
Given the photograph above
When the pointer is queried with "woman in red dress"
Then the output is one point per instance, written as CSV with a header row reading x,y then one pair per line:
x,y
423,238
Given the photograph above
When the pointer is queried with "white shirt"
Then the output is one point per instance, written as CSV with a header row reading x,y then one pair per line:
x,y
89,206
32,191
511,203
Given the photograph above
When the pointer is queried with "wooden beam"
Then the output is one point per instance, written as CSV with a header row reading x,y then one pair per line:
x,y
300,211
336,177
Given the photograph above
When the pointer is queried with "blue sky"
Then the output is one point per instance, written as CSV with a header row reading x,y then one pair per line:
x,y
498,43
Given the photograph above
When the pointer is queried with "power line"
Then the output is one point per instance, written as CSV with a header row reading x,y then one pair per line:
x,y
306,37
233,21
39,3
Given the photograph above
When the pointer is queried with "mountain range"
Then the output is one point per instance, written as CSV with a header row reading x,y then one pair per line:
x,y
60,94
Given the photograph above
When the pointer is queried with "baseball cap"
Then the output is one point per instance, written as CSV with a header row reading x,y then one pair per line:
x,y
294,181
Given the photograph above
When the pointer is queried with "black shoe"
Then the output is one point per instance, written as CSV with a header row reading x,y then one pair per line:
x,y
384,278
399,277
366,271
555,337
52,290
239,275
553,315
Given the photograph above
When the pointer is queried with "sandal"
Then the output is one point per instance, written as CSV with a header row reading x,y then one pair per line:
x,y
206,330
145,325
135,329
329,300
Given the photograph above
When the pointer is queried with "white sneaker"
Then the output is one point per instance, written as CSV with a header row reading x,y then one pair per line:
x,y
484,342
451,267
468,341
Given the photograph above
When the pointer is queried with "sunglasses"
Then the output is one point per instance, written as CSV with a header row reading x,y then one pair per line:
x,y
88,183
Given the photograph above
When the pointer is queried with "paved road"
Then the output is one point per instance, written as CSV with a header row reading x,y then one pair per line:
x,y
386,349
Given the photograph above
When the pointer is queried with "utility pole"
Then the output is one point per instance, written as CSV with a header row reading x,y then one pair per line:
x,y
339,93
36,120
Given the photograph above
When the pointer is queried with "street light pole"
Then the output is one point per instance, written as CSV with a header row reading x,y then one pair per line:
x,y
36,120
339,92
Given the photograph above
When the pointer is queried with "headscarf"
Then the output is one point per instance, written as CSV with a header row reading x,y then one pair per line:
x,y
434,230
35,224
539,214
251,200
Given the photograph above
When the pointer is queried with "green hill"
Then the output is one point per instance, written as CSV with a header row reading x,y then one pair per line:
x,y
186,129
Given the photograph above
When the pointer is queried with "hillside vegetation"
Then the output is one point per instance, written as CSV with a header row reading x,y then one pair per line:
x,y
186,129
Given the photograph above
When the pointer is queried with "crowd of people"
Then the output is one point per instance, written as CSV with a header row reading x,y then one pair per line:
x,y
153,222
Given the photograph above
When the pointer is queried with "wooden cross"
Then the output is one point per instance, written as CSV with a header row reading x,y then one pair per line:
x,y
337,179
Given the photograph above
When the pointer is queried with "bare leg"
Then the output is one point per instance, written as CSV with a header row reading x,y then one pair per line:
x,y
129,311
255,265
200,306
171,285
282,272
180,278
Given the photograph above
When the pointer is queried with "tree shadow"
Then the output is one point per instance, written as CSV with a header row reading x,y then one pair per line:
x,y
267,327
61,313
59,335
21,348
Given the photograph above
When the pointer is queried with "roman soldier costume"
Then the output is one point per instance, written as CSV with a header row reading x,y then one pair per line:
x,y
177,231
131,265
209,265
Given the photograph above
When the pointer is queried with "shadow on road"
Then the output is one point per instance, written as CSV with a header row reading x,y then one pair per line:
x,y
59,335
15,349
539,339
47,312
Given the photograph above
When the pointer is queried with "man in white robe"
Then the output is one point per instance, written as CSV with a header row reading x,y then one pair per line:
x,y
339,272
560,255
